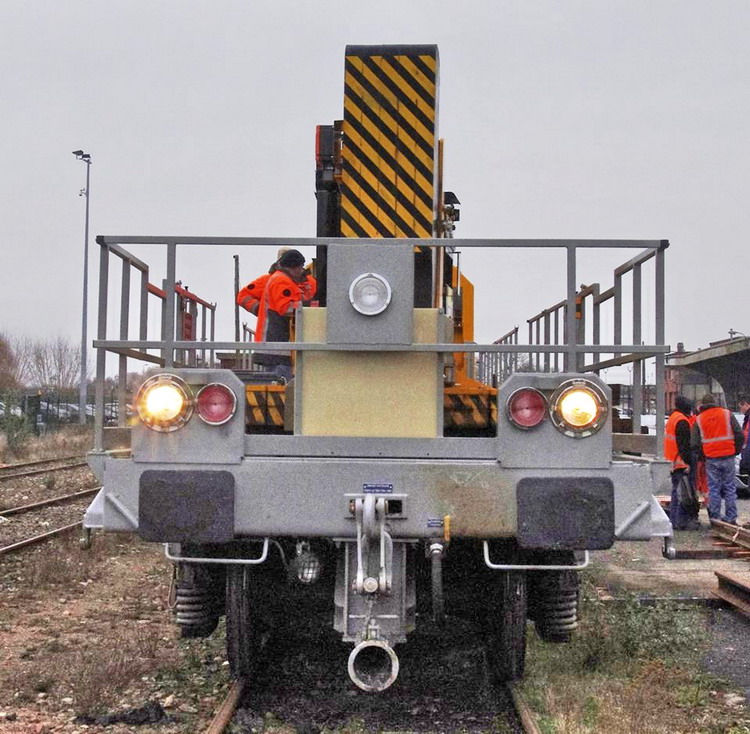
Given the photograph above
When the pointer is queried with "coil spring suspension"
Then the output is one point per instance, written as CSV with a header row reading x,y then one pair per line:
x,y
198,600
554,600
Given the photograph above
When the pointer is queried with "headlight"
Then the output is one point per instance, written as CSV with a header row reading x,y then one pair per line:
x,y
164,403
579,408
370,294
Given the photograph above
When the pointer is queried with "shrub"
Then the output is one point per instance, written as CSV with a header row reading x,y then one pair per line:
x,y
17,431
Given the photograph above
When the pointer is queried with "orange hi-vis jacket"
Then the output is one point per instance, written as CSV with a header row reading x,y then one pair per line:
x,y
250,296
280,297
717,436
671,452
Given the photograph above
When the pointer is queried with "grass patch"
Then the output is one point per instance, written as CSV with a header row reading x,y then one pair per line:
x,y
95,676
66,561
630,668
21,445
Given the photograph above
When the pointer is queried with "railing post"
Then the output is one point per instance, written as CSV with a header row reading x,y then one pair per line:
x,y
143,330
557,339
618,312
169,304
101,354
637,396
531,341
213,331
570,313
660,338
122,372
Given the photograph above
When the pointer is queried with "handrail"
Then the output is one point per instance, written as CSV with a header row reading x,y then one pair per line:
x,y
225,561
175,350
448,348
109,240
532,566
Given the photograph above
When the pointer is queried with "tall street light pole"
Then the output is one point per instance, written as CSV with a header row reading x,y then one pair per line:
x,y
86,158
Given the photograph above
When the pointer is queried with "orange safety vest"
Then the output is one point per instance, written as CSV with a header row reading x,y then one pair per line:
x,y
249,297
280,294
715,426
671,452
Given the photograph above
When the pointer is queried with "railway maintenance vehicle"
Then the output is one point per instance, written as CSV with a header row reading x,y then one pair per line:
x,y
404,472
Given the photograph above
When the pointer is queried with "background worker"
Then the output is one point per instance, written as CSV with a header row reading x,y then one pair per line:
x,y
677,450
698,463
249,296
718,436
286,289
744,406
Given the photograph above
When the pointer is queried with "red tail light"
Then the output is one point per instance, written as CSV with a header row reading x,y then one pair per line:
x,y
216,403
526,408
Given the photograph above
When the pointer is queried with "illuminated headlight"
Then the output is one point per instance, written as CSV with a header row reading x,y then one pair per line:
x,y
164,403
579,408
370,294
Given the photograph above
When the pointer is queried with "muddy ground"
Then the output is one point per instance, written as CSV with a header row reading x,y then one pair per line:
x,y
85,637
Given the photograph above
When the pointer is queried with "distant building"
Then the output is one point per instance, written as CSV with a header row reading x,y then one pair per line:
x,y
680,379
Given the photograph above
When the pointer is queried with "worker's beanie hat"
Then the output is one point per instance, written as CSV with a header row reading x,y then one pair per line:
x,y
708,399
281,251
292,259
683,405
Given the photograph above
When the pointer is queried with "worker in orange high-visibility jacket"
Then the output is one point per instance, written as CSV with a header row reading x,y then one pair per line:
x,y
718,436
249,297
744,406
287,289
698,462
677,450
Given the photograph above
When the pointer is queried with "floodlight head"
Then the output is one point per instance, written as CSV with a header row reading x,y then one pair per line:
x,y
86,157
77,152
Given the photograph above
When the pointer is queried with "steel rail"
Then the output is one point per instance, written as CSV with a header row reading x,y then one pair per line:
x,y
38,538
735,590
22,464
62,499
225,712
732,533
34,472
525,716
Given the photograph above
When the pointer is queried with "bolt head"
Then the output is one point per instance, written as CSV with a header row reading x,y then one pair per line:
x,y
370,585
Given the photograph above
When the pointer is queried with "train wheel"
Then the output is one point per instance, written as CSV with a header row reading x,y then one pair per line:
x,y
506,624
244,633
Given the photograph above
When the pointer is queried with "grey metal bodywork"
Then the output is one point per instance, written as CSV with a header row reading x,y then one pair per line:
x,y
288,493
301,485
347,326
294,497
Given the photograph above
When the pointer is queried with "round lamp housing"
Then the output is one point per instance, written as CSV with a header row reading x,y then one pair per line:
x,y
370,294
526,408
216,404
164,403
579,408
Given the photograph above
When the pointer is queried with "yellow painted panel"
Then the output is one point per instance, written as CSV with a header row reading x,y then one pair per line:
x,y
371,394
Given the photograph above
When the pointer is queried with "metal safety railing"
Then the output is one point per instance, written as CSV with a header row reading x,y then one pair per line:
x,y
502,354
553,327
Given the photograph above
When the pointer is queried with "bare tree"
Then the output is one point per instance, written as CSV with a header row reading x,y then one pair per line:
x,y
23,349
46,364
55,364
8,366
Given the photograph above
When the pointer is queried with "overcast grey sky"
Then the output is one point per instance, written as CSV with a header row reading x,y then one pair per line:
x,y
561,119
